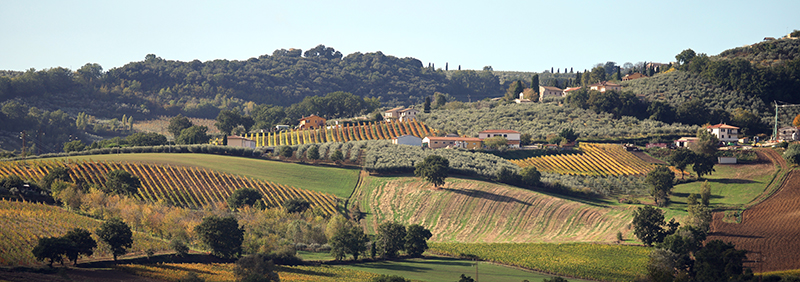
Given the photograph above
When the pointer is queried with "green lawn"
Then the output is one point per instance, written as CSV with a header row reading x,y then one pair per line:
x,y
336,181
442,269
727,188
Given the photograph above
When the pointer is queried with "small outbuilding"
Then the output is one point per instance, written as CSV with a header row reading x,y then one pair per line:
x,y
410,140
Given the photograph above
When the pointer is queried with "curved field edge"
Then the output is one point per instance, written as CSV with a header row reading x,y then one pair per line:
x,y
224,272
582,260
23,223
466,210
336,181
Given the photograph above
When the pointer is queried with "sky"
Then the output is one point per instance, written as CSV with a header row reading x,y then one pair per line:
x,y
507,35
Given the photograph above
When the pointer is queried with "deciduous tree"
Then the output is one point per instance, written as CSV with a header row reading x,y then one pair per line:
x,y
433,169
660,181
82,242
649,226
117,234
243,197
391,239
122,182
177,124
416,241
222,234
348,240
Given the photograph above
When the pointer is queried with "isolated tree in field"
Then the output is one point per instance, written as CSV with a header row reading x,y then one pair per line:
x,y
82,242
177,124
222,234
416,240
122,182
391,239
433,169
660,181
52,249
681,158
348,240
243,197
193,135
649,226
296,205
117,234
703,165
465,278
705,193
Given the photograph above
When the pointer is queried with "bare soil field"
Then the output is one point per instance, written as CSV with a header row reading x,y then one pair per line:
x,y
473,211
769,229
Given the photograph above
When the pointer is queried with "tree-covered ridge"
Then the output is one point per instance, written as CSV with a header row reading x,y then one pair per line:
x,y
542,119
767,53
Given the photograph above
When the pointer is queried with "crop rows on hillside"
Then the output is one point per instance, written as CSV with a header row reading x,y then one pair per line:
x,y
181,186
597,160
23,223
343,133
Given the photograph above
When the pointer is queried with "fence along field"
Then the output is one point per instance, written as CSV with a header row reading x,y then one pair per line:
x,y
181,186
23,223
597,160
362,131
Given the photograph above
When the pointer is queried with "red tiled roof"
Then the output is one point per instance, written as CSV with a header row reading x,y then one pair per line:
x,y
550,88
571,89
312,115
722,125
498,131
395,109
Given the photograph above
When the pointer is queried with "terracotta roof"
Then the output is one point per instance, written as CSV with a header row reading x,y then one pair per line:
x,y
498,131
605,83
550,88
395,109
409,109
312,115
571,89
722,125
434,138
686,139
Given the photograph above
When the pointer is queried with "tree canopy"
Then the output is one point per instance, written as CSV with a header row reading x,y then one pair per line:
x,y
122,182
433,169
649,226
222,234
117,235
660,181
243,197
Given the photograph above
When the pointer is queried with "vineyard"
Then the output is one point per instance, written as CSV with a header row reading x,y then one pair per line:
x,y
596,160
589,261
23,223
342,133
179,185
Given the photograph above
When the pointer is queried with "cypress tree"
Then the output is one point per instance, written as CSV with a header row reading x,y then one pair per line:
x,y
535,83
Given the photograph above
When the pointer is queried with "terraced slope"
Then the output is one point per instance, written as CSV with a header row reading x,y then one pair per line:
x,y
481,212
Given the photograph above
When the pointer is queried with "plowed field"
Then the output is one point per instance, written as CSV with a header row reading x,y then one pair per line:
x,y
769,230
475,211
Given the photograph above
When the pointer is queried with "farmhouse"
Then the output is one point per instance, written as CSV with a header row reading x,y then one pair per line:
x,y
400,114
239,141
724,132
604,86
788,133
512,136
410,140
684,142
408,114
311,122
451,142
545,91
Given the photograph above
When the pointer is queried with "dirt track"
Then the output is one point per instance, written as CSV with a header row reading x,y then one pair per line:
x,y
770,229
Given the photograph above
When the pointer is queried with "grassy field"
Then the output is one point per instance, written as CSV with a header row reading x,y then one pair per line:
x,y
336,181
467,210
732,186
583,260
224,272
442,269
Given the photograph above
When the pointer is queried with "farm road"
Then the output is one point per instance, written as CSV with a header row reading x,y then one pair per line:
x,y
769,230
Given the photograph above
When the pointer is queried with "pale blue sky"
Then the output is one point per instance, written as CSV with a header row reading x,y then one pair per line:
x,y
508,35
